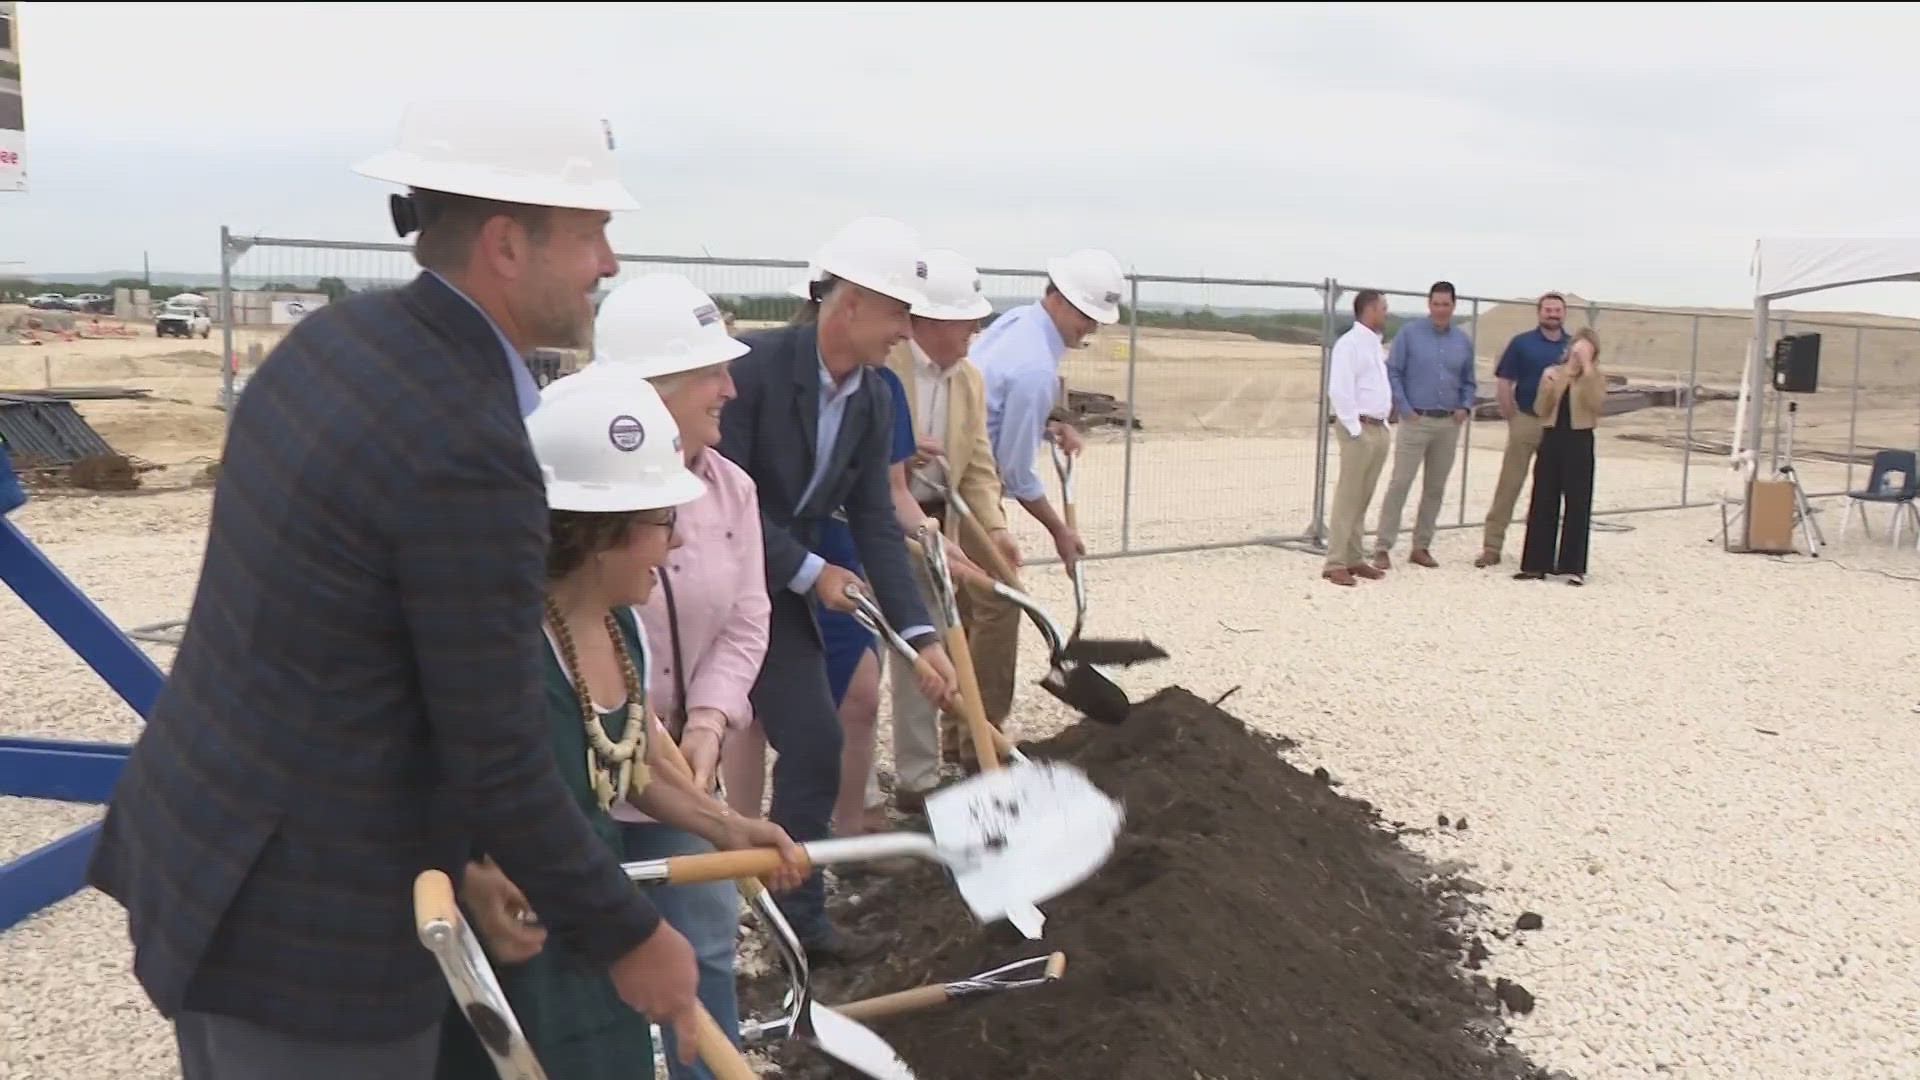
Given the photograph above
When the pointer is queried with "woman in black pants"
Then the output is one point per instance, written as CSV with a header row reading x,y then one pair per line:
x,y
1572,392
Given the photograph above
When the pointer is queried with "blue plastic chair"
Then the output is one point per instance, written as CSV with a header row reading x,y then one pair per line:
x,y
1883,487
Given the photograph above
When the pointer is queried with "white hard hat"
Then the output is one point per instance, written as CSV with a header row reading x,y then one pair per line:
x,y
953,289
874,252
1092,281
607,444
659,324
509,152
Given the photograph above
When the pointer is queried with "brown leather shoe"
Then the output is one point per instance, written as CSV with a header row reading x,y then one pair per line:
x,y
1422,557
1338,575
1486,558
1365,571
1382,561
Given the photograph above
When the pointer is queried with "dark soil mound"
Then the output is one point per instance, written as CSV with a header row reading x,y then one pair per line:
x,y
1252,923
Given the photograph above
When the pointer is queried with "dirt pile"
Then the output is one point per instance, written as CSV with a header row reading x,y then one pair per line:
x,y
1252,923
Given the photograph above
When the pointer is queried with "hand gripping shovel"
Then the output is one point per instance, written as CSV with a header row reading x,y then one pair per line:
x,y
445,933
1019,975
1012,838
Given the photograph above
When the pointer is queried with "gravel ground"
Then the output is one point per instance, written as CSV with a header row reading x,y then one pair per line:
x,y
1720,837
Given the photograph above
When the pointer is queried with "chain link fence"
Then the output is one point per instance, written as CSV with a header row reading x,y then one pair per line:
x,y
1205,407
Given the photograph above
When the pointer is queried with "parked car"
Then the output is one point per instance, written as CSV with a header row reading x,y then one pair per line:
x,y
98,303
50,301
183,316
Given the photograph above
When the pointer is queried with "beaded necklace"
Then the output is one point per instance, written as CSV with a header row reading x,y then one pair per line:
x,y
614,769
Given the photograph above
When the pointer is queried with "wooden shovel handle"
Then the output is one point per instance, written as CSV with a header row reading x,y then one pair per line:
x,y
717,1051
990,556
720,865
433,899
1056,965
969,706
920,997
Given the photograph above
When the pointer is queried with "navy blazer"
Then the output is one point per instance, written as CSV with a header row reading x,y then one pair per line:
x,y
359,693
770,429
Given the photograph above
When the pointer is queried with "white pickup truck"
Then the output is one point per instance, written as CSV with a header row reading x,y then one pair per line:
x,y
183,316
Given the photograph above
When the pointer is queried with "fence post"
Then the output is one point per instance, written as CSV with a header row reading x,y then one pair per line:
x,y
1686,447
1853,406
1466,429
226,326
1126,470
1329,295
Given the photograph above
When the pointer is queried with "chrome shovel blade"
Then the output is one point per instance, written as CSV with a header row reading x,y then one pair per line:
x,y
854,1044
1019,836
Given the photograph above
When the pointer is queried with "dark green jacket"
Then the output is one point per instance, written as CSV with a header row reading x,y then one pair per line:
x,y
579,1027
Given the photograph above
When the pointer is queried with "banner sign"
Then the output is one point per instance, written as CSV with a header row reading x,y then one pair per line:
x,y
13,124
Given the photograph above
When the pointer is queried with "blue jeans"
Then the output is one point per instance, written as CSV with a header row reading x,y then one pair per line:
x,y
708,915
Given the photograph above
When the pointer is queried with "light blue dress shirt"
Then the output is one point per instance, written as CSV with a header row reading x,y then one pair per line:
x,y
1019,361
1430,368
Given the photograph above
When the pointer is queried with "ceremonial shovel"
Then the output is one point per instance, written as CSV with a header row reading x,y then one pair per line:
x,y
445,933
1019,975
1012,838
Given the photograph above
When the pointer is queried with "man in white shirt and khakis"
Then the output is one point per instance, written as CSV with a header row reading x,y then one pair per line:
x,y
1362,401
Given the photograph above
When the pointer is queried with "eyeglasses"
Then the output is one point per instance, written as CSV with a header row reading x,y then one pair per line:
x,y
666,519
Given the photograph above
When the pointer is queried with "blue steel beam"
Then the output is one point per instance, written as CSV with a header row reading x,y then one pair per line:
x,y
79,622
42,878
69,772
48,769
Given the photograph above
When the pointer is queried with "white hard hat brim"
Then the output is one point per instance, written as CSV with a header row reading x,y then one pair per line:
x,y
979,307
905,294
409,169
720,351
676,489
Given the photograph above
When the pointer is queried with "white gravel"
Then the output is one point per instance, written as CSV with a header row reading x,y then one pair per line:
x,y
1718,901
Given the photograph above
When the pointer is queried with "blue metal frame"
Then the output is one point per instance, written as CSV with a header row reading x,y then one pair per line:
x,y
51,769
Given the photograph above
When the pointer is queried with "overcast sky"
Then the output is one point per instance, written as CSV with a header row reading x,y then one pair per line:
x,y
1623,152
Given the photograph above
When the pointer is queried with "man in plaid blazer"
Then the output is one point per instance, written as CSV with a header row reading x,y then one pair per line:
x,y
358,696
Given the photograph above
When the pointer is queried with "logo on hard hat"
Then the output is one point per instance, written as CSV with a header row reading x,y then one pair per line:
x,y
707,314
608,130
1113,298
977,287
626,433
920,270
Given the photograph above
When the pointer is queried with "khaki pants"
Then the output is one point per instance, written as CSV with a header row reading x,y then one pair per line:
x,y
1423,444
1523,441
1361,459
993,638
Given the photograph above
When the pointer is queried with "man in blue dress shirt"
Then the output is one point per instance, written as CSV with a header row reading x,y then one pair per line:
x,y
1430,367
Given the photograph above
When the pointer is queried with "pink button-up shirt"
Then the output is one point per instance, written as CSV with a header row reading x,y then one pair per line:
x,y
719,582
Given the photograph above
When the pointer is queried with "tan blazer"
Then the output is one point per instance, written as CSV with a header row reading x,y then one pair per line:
x,y
1589,396
970,465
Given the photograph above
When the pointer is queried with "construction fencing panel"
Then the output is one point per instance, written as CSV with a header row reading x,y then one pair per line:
x,y
1225,383
1204,408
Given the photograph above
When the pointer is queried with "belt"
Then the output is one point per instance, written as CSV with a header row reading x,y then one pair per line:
x,y
934,508
1372,420
1434,414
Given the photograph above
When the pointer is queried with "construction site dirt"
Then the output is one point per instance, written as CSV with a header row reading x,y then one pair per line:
x,y
1253,922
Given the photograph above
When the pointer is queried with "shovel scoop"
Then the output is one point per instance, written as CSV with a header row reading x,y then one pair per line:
x,y
1012,838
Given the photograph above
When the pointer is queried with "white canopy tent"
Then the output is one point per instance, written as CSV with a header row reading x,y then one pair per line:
x,y
1793,267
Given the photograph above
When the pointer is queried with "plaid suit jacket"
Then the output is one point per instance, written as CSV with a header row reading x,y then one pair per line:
x,y
358,695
